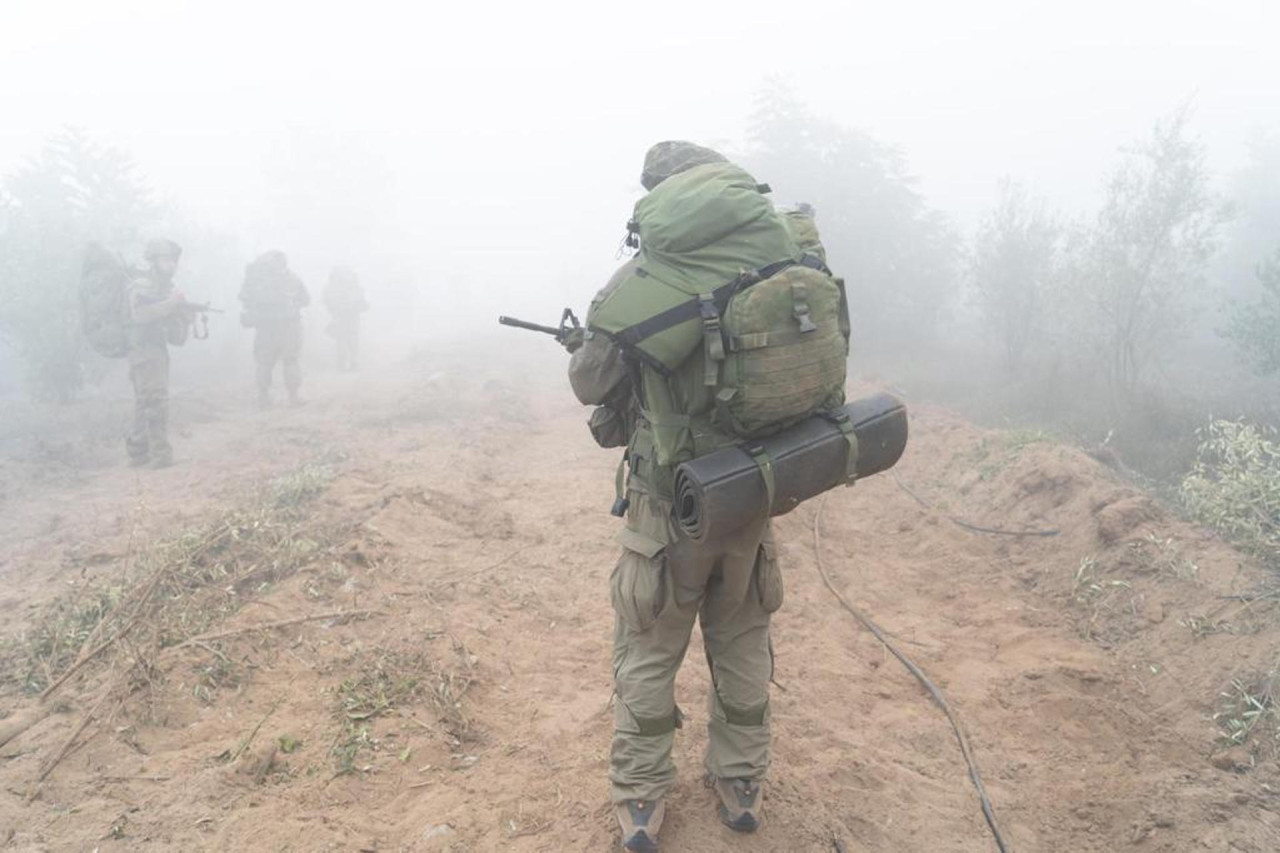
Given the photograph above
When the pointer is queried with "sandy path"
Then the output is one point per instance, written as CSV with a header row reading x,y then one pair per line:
x,y
479,509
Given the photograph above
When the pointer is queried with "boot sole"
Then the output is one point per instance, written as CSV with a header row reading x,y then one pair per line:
x,y
640,843
744,823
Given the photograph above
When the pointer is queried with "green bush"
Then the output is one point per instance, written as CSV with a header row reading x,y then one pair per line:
x,y
1235,485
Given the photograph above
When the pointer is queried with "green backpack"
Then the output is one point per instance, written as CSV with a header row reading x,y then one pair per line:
x,y
720,271
104,301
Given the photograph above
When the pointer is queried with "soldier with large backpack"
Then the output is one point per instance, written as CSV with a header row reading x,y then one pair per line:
x,y
720,330
273,298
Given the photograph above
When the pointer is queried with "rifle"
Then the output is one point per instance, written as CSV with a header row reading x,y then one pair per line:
x,y
199,311
568,322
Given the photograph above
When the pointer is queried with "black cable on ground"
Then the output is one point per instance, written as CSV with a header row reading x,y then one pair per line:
x,y
987,810
959,522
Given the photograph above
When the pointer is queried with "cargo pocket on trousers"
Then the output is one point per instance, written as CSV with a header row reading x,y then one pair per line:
x,y
639,585
768,577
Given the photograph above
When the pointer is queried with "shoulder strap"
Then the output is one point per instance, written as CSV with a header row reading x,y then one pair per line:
x,y
694,307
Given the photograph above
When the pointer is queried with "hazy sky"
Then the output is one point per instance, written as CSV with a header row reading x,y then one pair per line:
x,y
502,137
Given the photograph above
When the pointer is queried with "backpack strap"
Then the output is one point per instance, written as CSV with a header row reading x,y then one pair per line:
x,y
693,308
761,457
840,419
712,339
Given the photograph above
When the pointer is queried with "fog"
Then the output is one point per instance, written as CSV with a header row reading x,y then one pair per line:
x,y
515,131
1055,227
471,160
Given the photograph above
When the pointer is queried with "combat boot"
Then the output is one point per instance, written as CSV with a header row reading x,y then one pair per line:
x,y
640,821
740,801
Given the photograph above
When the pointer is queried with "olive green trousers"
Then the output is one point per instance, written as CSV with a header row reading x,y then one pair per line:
x,y
662,583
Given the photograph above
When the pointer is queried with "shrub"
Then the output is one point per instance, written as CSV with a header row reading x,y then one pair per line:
x,y
1235,485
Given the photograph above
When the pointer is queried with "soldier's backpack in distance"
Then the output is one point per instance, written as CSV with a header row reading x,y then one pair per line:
x,y
104,301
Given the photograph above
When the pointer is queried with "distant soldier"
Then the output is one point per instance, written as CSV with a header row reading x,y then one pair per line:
x,y
273,299
157,319
344,298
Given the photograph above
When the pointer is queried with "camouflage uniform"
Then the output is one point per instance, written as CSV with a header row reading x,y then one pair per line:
x,y
344,298
273,299
156,321
663,582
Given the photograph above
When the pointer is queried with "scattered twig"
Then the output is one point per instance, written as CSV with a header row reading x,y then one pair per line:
x,y
284,623
84,723
530,830
210,649
135,614
20,722
253,734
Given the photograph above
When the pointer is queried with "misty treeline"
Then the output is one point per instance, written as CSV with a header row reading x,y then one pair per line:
x,y
72,192
1147,331
1128,328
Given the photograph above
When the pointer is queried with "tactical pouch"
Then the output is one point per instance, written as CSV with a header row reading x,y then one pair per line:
x,y
607,427
768,576
640,585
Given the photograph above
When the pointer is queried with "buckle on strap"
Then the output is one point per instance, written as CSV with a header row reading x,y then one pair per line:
x,y
713,340
761,457
708,311
851,460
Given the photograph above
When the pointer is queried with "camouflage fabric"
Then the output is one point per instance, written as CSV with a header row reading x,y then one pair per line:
x,y
278,342
673,157
149,438
156,320
660,586
271,291
273,299
596,368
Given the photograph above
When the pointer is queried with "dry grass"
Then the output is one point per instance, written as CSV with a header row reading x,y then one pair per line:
x,y
1248,715
388,680
109,636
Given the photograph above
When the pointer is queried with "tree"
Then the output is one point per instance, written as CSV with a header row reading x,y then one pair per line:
x,y
1141,266
73,192
1255,328
897,255
1011,267
1255,193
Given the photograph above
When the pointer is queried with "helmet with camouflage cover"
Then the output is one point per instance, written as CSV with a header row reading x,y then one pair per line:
x,y
162,248
673,157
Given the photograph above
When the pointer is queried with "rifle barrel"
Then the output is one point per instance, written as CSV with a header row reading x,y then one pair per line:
x,y
533,327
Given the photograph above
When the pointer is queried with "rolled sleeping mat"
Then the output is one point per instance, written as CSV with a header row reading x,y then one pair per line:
x,y
724,491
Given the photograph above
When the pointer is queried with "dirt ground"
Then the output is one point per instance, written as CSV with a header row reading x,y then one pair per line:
x,y
456,521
